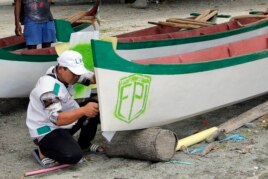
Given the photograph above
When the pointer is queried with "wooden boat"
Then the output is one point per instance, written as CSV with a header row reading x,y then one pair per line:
x,y
162,32
239,29
21,68
140,94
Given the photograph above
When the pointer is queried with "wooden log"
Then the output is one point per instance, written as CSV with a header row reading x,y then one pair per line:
x,y
153,144
246,117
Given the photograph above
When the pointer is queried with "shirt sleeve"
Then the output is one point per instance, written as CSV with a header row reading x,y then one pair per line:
x,y
85,79
52,105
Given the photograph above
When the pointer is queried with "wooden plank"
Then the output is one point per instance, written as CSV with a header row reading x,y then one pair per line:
x,y
77,16
203,14
187,26
246,117
192,20
85,21
188,22
209,16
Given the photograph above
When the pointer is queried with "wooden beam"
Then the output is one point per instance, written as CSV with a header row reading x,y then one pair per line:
x,y
170,24
188,22
246,117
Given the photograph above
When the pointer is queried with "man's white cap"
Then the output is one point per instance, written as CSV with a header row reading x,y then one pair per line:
x,y
73,61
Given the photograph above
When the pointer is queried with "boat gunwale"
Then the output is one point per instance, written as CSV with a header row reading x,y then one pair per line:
x,y
187,40
107,58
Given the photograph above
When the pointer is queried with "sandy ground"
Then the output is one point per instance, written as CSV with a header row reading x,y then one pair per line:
x,y
223,162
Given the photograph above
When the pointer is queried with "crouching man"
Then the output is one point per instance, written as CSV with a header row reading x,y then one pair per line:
x,y
53,116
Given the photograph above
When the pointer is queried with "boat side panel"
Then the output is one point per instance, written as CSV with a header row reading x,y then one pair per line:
x,y
19,77
176,97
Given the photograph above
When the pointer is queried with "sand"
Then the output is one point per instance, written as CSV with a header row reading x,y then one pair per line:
x,y
226,161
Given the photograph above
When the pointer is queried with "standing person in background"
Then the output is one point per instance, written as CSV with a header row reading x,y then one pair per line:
x,y
39,27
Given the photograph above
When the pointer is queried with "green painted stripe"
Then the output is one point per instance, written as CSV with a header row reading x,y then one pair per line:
x,y
43,130
5,55
64,29
105,57
81,27
169,42
14,47
56,88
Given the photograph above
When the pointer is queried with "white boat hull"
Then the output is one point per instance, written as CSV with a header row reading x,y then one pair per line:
x,y
19,77
134,96
175,97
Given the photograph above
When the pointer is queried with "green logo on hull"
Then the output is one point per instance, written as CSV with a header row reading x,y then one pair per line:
x,y
132,97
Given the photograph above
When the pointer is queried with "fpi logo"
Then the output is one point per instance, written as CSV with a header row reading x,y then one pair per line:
x,y
132,97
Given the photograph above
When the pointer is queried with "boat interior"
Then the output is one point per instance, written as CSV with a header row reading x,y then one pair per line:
x,y
251,45
166,32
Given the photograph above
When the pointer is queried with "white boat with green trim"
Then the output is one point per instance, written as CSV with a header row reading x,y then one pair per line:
x,y
158,91
238,28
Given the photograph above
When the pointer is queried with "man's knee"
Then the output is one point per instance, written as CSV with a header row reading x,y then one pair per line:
x,y
72,157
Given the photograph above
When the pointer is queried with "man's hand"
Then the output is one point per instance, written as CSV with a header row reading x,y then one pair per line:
x,y
93,80
18,30
91,109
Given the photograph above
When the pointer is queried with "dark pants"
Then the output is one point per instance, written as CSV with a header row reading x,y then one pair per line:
x,y
60,145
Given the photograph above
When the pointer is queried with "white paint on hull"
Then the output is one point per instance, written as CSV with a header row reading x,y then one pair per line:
x,y
176,97
18,77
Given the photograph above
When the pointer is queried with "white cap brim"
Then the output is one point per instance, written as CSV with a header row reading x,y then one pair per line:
x,y
78,70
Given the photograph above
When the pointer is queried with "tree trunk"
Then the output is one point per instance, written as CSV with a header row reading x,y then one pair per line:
x,y
153,144
140,4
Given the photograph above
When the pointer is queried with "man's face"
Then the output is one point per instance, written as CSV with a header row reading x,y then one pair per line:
x,y
68,76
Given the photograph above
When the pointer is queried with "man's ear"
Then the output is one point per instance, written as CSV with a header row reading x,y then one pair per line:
x,y
60,69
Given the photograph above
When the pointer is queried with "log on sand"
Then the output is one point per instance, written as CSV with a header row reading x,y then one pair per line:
x,y
153,144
